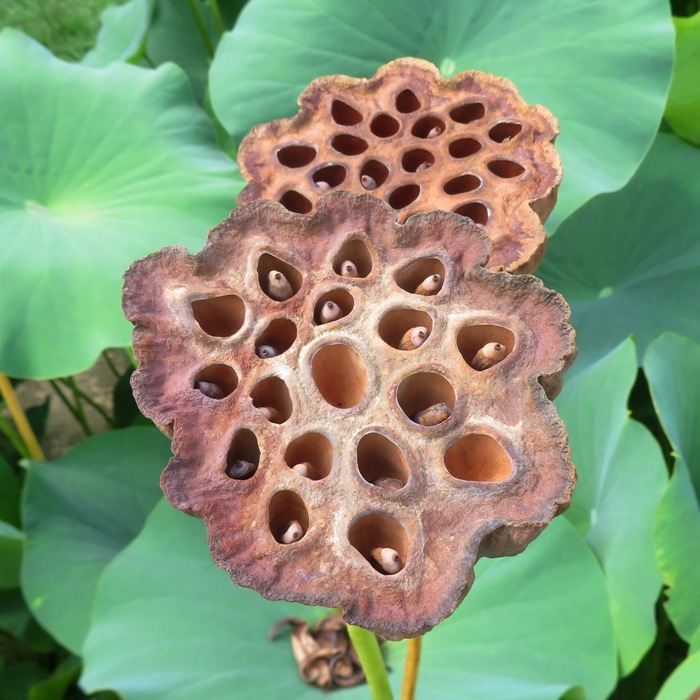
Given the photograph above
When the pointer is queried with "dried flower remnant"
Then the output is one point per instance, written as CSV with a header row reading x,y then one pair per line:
x,y
468,144
346,457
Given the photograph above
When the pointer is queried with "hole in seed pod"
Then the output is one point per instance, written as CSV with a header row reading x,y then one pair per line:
x,y
328,177
219,316
277,338
373,175
216,381
312,450
356,252
278,288
296,156
271,397
504,131
467,113
403,196
417,160
288,517
243,456
381,462
296,202
428,127
484,346
505,168
476,211
349,145
426,398
418,273
345,115
462,184
333,306
405,329
478,457
407,101
340,374
463,148
384,126
372,535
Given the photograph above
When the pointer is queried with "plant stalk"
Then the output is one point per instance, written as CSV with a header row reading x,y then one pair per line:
x,y
79,395
201,28
78,415
20,419
214,5
410,673
367,648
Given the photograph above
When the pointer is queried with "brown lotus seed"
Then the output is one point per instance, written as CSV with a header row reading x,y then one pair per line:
x,y
323,186
330,311
240,469
488,356
265,352
389,484
272,414
213,391
278,286
413,338
433,415
369,183
388,559
302,468
293,533
435,131
348,269
430,285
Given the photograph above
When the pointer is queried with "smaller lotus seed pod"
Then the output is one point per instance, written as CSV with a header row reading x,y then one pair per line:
x,y
389,484
490,355
413,338
323,186
430,285
278,286
348,269
272,414
293,533
213,391
240,469
302,468
265,352
433,415
330,311
435,131
369,183
388,559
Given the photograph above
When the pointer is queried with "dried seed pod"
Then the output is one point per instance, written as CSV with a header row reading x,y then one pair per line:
x,y
388,558
413,338
265,351
272,414
488,356
293,533
330,311
491,155
433,415
348,269
430,285
346,403
213,391
278,286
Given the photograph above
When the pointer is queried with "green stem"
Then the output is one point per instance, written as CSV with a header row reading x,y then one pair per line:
x,y
79,395
217,17
78,415
13,436
367,648
200,26
111,365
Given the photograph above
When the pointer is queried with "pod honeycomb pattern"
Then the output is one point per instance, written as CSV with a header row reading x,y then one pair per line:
x,y
421,143
302,439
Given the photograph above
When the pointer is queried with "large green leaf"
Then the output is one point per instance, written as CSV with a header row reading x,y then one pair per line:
x,y
98,167
629,262
168,623
672,365
612,453
11,545
79,511
603,68
9,493
683,108
684,682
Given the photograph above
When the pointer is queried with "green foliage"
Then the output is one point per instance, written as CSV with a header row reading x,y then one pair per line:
x,y
129,150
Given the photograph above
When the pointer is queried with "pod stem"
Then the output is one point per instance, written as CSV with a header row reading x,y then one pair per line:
x,y
367,648
410,673
20,419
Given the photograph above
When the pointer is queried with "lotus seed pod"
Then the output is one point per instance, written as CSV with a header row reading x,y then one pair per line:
x,y
348,465
467,144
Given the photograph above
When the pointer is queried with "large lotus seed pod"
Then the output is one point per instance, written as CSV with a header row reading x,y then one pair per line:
x,y
364,461
422,143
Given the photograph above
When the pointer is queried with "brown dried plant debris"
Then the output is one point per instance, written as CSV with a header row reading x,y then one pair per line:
x,y
324,652
344,466
468,144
